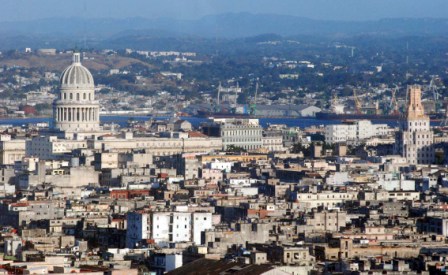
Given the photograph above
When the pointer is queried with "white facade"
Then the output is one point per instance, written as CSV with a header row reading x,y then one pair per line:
x,y
171,227
159,146
240,182
244,133
167,227
354,132
221,165
201,222
76,109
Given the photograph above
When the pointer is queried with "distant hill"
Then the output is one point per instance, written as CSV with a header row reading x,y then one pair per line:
x,y
59,62
56,32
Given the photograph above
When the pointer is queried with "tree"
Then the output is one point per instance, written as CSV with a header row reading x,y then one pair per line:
x,y
299,147
235,149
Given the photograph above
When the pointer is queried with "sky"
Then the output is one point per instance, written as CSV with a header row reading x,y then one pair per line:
x,y
347,10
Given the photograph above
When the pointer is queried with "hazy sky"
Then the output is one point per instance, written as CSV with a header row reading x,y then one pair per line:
x,y
13,10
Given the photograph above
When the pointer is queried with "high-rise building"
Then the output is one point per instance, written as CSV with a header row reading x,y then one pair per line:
x,y
76,110
415,138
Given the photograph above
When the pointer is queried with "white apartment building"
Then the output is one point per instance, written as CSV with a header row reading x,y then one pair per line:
x,y
167,227
171,227
201,221
355,131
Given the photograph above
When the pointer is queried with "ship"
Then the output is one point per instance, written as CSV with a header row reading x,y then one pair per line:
x,y
232,109
223,114
373,117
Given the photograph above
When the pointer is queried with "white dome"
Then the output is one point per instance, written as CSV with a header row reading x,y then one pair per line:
x,y
76,75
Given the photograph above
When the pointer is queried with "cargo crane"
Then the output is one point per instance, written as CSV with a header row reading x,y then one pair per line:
x,y
235,103
253,105
334,102
357,102
394,103
217,104
435,93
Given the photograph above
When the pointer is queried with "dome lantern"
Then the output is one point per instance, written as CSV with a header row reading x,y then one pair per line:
x,y
76,75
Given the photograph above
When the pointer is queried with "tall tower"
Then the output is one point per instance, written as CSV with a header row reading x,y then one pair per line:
x,y
76,110
415,139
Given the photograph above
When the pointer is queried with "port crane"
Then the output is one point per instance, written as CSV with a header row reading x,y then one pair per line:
x,y
435,93
394,103
253,105
217,105
235,103
358,105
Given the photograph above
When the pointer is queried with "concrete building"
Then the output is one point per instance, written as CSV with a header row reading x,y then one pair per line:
x,y
138,228
201,221
7,181
167,227
328,200
434,225
355,131
273,143
328,221
50,147
157,146
11,150
171,227
415,138
244,133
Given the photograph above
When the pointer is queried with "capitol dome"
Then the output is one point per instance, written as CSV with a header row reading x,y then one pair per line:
x,y
76,110
76,75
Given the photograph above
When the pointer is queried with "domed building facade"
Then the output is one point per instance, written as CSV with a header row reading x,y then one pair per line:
x,y
76,110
